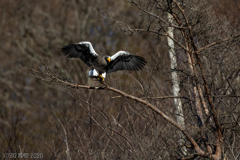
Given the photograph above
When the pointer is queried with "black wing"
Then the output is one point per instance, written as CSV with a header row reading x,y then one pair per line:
x,y
83,50
125,61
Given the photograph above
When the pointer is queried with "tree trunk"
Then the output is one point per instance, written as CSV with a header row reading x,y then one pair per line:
x,y
175,82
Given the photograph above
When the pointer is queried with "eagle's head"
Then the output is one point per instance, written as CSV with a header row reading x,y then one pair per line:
x,y
107,58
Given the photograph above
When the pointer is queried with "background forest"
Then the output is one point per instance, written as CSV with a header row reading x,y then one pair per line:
x,y
41,115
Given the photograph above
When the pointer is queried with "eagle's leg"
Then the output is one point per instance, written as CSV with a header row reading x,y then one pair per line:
x,y
100,78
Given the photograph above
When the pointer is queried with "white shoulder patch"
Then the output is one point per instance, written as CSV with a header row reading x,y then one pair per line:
x,y
89,45
119,53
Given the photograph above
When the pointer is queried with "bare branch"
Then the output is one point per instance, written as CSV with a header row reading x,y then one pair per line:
x,y
197,148
155,16
156,32
218,42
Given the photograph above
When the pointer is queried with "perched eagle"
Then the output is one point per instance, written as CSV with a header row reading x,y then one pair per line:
x,y
101,65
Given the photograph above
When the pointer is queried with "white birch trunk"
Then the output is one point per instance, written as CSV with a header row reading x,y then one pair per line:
x,y
175,81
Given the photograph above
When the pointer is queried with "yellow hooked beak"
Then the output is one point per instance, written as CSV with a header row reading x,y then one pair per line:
x,y
108,59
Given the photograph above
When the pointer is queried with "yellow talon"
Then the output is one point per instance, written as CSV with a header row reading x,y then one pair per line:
x,y
100,77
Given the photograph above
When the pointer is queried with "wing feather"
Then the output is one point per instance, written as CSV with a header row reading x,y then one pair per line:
x,y
125,61
83,50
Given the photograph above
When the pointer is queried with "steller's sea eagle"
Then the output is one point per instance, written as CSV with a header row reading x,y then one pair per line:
x,y
101,65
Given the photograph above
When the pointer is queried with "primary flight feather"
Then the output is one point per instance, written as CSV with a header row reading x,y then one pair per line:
x,y
101,65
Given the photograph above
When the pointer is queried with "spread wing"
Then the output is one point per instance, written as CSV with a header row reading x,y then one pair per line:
x,y
125,61
83,50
